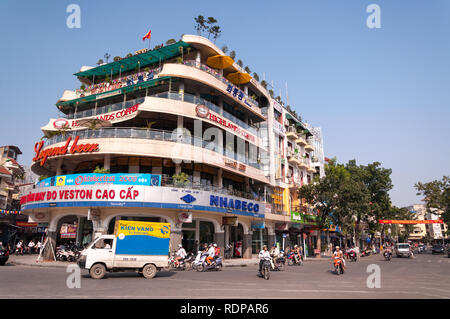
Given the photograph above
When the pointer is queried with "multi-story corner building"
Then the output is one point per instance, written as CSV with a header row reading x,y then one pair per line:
x,y
11,175
179,134
433,231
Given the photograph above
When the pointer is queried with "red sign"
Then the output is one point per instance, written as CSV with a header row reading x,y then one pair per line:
x,y
42,155
437,221
26,224
85,194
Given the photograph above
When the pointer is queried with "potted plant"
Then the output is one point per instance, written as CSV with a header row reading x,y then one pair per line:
x,y
180,179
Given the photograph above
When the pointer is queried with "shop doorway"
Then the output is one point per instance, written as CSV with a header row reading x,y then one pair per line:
x,y
236,240
196,234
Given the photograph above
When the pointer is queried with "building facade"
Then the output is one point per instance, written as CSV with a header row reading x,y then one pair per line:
x,y
179,134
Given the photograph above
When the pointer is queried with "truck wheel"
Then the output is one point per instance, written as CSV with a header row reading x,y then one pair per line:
x,y
149,271
97,271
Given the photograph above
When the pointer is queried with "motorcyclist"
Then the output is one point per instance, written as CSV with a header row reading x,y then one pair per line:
x,y
297,253
180,254
211,254
274,253
263,255
338,254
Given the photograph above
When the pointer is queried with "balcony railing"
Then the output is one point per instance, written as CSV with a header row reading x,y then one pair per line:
x,y
217,75
105,109
151,134
168,181
197,100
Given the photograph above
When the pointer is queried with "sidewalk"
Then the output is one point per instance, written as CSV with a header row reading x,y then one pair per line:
x,y
30,260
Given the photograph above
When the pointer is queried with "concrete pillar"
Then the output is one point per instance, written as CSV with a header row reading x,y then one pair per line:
x,y
59,166
176,237
107,162
247,246
219,177
219,239
246,89
220,101
177,168
198,59
196,177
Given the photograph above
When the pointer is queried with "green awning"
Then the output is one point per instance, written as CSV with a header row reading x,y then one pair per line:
x,y
125,89
298,124
128,64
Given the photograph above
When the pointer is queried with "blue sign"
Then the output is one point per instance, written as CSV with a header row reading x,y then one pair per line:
x,y
95,179
233,203
258,225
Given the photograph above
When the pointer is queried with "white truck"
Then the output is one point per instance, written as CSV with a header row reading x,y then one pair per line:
x,y
134,246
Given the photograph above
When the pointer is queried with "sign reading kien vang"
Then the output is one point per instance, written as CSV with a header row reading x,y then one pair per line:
x,y
43,154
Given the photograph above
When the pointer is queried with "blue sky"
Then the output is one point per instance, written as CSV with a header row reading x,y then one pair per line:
x,y
378,94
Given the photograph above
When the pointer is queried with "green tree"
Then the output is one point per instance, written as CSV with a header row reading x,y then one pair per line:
x,y
436,195
171,41
210,26
233,54
224,49
200,24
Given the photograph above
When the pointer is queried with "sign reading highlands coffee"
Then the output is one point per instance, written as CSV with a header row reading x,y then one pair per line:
x,y
42,155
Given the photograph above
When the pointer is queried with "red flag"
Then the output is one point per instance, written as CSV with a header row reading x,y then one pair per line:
x,y
148,35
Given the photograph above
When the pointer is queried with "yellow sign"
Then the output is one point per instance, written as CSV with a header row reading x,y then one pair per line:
x,y
132,228
60,181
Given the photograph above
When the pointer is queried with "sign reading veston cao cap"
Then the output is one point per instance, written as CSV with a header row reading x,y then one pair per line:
x,y
42,155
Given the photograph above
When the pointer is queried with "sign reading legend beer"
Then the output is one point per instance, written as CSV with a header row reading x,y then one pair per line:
x,y
42,155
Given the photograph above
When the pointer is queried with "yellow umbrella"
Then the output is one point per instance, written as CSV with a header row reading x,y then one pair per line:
x,y
219,61
239,77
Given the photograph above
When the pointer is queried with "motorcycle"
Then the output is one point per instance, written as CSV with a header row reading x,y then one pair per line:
x,y
278,262
183,264
352,256
199,259
338,266
216,264
387,255
366,253
265,272
294,259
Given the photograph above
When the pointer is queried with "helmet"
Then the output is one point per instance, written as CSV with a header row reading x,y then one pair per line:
x,y
337,247
295,246
179,245
214,245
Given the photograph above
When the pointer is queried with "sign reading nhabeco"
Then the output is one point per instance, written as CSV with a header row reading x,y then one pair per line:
x,y
42,155
435,221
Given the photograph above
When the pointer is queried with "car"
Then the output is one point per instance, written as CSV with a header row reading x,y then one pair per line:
x,y
403,250
437,249
4,255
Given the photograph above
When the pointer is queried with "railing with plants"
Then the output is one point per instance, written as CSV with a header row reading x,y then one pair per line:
x,y
152,134
123,81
